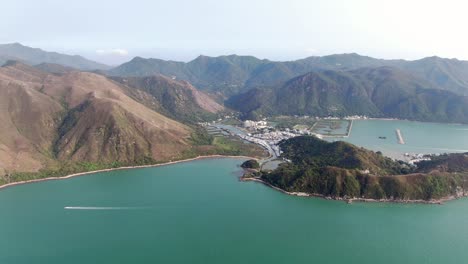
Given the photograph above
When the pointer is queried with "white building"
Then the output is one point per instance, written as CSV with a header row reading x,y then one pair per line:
x,y
255,124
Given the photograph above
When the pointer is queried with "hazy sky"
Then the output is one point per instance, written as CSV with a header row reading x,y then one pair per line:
x,y
114,31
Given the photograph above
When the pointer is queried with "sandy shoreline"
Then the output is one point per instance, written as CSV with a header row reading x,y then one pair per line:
x,y
122,168
351,200
300,194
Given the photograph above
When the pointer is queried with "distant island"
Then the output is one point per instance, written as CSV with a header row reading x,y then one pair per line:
x,y
342,171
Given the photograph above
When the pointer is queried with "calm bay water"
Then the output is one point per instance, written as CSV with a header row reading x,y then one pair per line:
x,y
419,137
198,212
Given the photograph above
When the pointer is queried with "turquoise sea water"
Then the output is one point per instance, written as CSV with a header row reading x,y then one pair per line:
x,y
199,212
419,137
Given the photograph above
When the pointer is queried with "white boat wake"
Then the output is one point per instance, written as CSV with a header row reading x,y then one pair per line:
x,y
103,208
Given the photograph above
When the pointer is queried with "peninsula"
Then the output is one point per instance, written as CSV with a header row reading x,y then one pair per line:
x,y
343,171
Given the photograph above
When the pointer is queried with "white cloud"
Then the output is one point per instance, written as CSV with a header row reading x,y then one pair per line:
x,y
118,52
311,51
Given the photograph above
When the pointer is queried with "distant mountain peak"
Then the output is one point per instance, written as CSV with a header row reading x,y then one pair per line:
x,y
33,56
229,74
201,58
433,58
138,58
16,44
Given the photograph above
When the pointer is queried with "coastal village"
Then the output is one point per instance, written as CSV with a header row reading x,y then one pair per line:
x,y
267,135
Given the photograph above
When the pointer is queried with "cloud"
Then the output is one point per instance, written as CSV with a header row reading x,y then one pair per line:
x,y
311,51
118,52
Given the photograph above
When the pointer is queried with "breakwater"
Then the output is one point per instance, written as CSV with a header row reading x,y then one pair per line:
x,y
399,137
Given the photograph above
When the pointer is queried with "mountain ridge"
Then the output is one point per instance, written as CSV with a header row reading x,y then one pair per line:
x,y
232,74
33,56
79,117
176,99
375,92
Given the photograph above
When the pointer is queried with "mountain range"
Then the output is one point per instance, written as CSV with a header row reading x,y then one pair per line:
x,y
375,92
430,89
33,56
60,109
229,75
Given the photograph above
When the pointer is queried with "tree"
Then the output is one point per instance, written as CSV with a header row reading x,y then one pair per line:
x,y
351,187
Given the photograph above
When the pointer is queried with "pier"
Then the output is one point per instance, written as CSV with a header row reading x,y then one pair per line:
x,y
399,137
350,127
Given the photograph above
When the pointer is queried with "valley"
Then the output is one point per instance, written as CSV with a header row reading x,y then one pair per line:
x,y
151,111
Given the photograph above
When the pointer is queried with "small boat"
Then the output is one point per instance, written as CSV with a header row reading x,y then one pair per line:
x,y
383,137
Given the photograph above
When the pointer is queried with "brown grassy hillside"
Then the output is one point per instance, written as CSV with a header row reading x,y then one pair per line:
x,y
78,116
177,99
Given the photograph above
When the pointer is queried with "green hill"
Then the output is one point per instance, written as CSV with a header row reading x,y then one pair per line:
x,y
375,92
445,74
342,170
230,74
224,74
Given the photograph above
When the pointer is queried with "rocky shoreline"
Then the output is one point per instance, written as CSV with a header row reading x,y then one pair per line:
x,y
351,200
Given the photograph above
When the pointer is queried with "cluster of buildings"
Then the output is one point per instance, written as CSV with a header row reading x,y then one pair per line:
x,y
272,148
260,133
255,124
353,117
415,158
270,139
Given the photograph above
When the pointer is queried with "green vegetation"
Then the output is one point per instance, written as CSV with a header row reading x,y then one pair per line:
x,y
237,147
200,137
444,163
202,144
250,164
337,85
229,75
206,144
69,167
343,170
374,92
232,122
225,73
